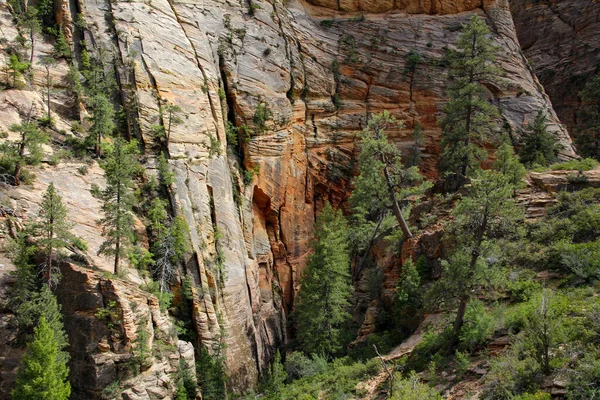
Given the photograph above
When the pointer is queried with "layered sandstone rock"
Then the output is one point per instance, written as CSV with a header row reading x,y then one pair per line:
x,y
561,38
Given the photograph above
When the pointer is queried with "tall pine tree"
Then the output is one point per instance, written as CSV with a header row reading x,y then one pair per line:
x,y
468,115
485,214
117,225
44,372
54,229
322,302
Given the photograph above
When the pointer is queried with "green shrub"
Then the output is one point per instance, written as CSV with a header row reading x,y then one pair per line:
x,y
478,326
411,388
584,380
582,259
576,165
300,366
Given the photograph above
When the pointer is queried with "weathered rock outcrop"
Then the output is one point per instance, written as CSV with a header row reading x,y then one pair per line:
x,y
561,38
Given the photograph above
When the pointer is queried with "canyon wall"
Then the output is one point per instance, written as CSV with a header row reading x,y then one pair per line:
x,y
561,38
319,68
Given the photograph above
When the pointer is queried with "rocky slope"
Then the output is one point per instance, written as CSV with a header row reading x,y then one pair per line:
x,y
320,68
561,38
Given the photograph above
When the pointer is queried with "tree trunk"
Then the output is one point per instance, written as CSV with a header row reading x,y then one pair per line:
x,y
395,206
48,84
32,38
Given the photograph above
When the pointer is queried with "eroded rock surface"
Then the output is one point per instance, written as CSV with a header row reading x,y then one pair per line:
x,y
561,38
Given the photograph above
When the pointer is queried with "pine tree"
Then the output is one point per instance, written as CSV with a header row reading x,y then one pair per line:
x,y
322,302
275,378
508,164
44,372
55,230
539,146
29,21
468,115
588,139
117,225
17,68
487,213
409,299
103,123
48,63
383,183
418,141
26,150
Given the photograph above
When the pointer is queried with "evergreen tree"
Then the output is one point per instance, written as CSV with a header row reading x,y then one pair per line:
x,y
409,299
468,115
169,115
588,139
170,242
48,63
487,213
102,119
26,150
44,372
117,225
276,378
418,141
508,164
539,146
30,23
37,305
322,302
54,228
383,183
17,68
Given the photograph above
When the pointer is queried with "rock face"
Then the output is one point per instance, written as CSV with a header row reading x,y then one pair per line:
x,y
562,40
103,318
300,80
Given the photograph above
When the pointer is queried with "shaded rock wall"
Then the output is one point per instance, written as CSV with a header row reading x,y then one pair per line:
x,y
562,40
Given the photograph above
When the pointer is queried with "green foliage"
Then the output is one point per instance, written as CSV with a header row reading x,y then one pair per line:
x,y
17,68
337,382
411,388
276,378
487,212
383,184
298,365
582,259
468,118
478,327
261,116
61,47
142,354
414,158
210,371
103,121
26,150
408,302
322,302
584,379
508,164
588,132
54,230
585,164
117,225
539,146
44,370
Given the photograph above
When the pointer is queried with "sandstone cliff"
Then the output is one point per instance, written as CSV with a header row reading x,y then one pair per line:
x,y
561,38
320,68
